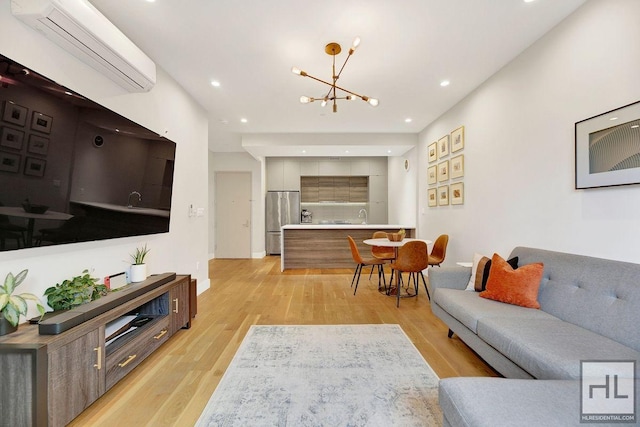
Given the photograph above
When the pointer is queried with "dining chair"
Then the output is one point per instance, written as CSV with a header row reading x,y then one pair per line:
x,y
412,258
439,251
361,262
381,252
12,231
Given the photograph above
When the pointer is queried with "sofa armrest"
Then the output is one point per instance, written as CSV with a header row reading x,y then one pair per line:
x,y
449,277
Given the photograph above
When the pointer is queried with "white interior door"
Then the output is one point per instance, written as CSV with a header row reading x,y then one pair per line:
x,y
233,214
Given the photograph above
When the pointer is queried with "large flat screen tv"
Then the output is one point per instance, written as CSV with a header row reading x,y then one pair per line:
x,y
72,170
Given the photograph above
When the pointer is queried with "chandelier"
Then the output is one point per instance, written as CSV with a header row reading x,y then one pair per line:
x,y
334,49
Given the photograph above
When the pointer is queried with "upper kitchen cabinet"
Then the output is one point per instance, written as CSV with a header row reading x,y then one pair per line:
x,y
283,174
378,166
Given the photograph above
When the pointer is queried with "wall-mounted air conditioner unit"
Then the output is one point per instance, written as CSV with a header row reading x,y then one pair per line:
x,y
80,28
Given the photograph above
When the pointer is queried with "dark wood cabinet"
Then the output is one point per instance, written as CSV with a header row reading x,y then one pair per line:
x,y
53,378
76,376
339,189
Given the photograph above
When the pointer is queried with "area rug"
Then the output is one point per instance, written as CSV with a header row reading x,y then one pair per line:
x,y
330,375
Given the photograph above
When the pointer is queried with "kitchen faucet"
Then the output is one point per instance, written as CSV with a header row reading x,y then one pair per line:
x,y
129,204
363,211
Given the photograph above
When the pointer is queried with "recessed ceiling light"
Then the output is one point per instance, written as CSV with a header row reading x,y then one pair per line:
x,y
215,83
243,120
151,1
445,83
304,151
388,151
408,120
529,1
613,118
346,151
68,93
635,126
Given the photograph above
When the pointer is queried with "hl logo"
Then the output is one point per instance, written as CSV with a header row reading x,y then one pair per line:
x,y
605,386
608,391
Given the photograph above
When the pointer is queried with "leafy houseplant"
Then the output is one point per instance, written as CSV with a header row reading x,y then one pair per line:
x,y
139,255
12,306
139,268
74,292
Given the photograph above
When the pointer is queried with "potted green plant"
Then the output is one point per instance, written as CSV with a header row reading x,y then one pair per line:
x,y
138,272
12,306
74,292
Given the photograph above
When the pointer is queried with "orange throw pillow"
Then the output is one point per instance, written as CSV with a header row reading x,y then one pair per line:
x,y
518,287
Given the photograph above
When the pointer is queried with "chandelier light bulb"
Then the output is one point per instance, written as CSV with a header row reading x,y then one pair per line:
x,y
356,43
323,103
296,70
373,102
305,99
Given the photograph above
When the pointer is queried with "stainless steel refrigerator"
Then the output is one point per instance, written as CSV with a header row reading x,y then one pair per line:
x,y
282,207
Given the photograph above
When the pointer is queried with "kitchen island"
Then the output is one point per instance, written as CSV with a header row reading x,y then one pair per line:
x,y
326,245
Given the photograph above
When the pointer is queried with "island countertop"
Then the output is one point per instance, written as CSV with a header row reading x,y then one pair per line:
x,y
344,226
326,245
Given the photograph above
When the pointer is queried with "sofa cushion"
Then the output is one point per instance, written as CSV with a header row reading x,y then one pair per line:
x,y
468,307
480,272
519,287
598,294
495,402
549,348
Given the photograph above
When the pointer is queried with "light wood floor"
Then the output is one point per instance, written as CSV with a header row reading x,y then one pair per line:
x,y
173,385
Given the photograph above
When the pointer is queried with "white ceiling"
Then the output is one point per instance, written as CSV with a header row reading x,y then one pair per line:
x,y
408,47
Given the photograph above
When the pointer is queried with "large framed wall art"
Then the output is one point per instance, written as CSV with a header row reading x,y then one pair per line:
x,y
608,148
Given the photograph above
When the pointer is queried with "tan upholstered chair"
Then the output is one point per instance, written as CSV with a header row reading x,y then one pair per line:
x,y
412,258
361,262
439,251
382,252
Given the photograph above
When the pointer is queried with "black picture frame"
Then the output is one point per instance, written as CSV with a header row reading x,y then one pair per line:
x,y
35,167
14,113
9,162
11,138
41,122
606,148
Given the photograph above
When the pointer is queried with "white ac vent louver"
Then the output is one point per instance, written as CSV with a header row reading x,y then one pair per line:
x,y
77,26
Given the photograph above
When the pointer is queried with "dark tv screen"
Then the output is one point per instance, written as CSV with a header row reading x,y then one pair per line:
x,y
72,170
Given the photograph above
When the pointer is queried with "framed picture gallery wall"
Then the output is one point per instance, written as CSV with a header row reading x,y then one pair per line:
x,y
446,170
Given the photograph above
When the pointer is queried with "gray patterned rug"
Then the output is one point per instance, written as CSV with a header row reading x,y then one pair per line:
x,y
333,375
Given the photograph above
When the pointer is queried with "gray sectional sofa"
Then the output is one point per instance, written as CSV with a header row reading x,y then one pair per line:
x,y
590,310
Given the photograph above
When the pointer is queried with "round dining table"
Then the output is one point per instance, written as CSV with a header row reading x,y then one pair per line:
x,y
19,212
383,241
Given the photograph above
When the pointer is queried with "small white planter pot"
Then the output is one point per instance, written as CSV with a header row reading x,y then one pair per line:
x,y
138,273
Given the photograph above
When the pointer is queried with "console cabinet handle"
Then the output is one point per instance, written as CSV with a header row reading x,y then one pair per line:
x,y
175,308
126,362
161,334
98,364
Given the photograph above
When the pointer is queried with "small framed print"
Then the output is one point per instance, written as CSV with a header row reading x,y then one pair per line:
x,y
34,167
457,193
11,138
432,175
38,145
433,152
443,147
41,122
457,166
443,195
14,113
432,197
443,171
9,162
457,139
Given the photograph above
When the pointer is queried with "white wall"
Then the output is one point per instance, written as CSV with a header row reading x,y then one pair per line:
x,y
166,110
240,162
519,148
403,190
